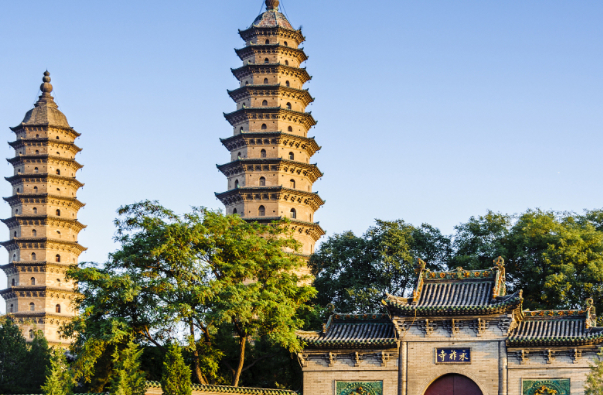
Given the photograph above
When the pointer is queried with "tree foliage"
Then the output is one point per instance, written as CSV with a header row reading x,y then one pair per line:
x,y
594,380
555,258
127,377
176,377
187,276
22,365
355,273
59,380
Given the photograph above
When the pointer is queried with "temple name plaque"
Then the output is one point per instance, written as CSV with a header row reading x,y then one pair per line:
x,y
453,355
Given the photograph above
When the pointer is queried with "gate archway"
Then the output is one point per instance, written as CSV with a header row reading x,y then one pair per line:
x,y
453,384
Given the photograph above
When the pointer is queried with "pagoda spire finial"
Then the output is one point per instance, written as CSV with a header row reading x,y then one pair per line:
x,y
46,89
272,5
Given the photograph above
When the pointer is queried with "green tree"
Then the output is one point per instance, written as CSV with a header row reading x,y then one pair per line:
x,y
22,365
196,272
594,380
127,377
58,378
355,273
13,357
176,377
555,258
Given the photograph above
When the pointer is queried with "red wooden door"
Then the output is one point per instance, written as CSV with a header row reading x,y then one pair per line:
x,y
453,384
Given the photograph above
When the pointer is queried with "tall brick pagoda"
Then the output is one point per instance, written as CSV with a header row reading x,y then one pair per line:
x,y
269,174
43,226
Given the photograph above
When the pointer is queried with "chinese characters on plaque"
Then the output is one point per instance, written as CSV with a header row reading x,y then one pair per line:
x,y
453,355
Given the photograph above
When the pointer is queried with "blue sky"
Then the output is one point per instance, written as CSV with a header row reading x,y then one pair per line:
x,y
429,111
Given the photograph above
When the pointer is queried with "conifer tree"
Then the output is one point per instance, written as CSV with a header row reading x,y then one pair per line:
x,y
127,378
58,377
594,381
176,376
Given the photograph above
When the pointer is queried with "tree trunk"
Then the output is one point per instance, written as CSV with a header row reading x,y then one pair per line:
x,y
196,356
242,341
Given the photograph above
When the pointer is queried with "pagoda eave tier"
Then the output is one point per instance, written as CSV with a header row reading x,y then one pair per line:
x,y
270,114
312,229
248,91
40,158
271,68
40,177
35,198
21,143
242,165
45,125
253,32
244,139
255,49
15,265
271,193
42,220
42,243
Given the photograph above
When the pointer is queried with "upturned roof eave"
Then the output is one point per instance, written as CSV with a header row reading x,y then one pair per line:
x,y
16,143
44,175
274,188
22,125
302,70
80,247
269,161
243,33
307,115
279,87
18,158
47,195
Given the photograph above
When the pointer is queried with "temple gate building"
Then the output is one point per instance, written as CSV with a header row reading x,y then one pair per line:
x,y
269,175
43,226
459,333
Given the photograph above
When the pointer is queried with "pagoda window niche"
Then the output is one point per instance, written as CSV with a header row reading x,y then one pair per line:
x,y
265,80
266,60
58,213
236,184
292,184
286,44
32,307
31,332
35,189
34,232
33,256
33,281
265,103
264,127
10,310
289,129
13,282
286,63
293,213
262,182
35,210
291,156
57,308
58,172
234,210
35,170
57,258
262,211
263,153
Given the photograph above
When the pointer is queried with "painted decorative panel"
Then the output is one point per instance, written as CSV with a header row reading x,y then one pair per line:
x,y
359,388
546,387
453,355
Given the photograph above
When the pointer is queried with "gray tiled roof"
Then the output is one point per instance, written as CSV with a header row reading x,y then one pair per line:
x,y
272,18
555,328
352,331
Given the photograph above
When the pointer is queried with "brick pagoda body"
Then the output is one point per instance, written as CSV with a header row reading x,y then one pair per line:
x,y
270,174
43,226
